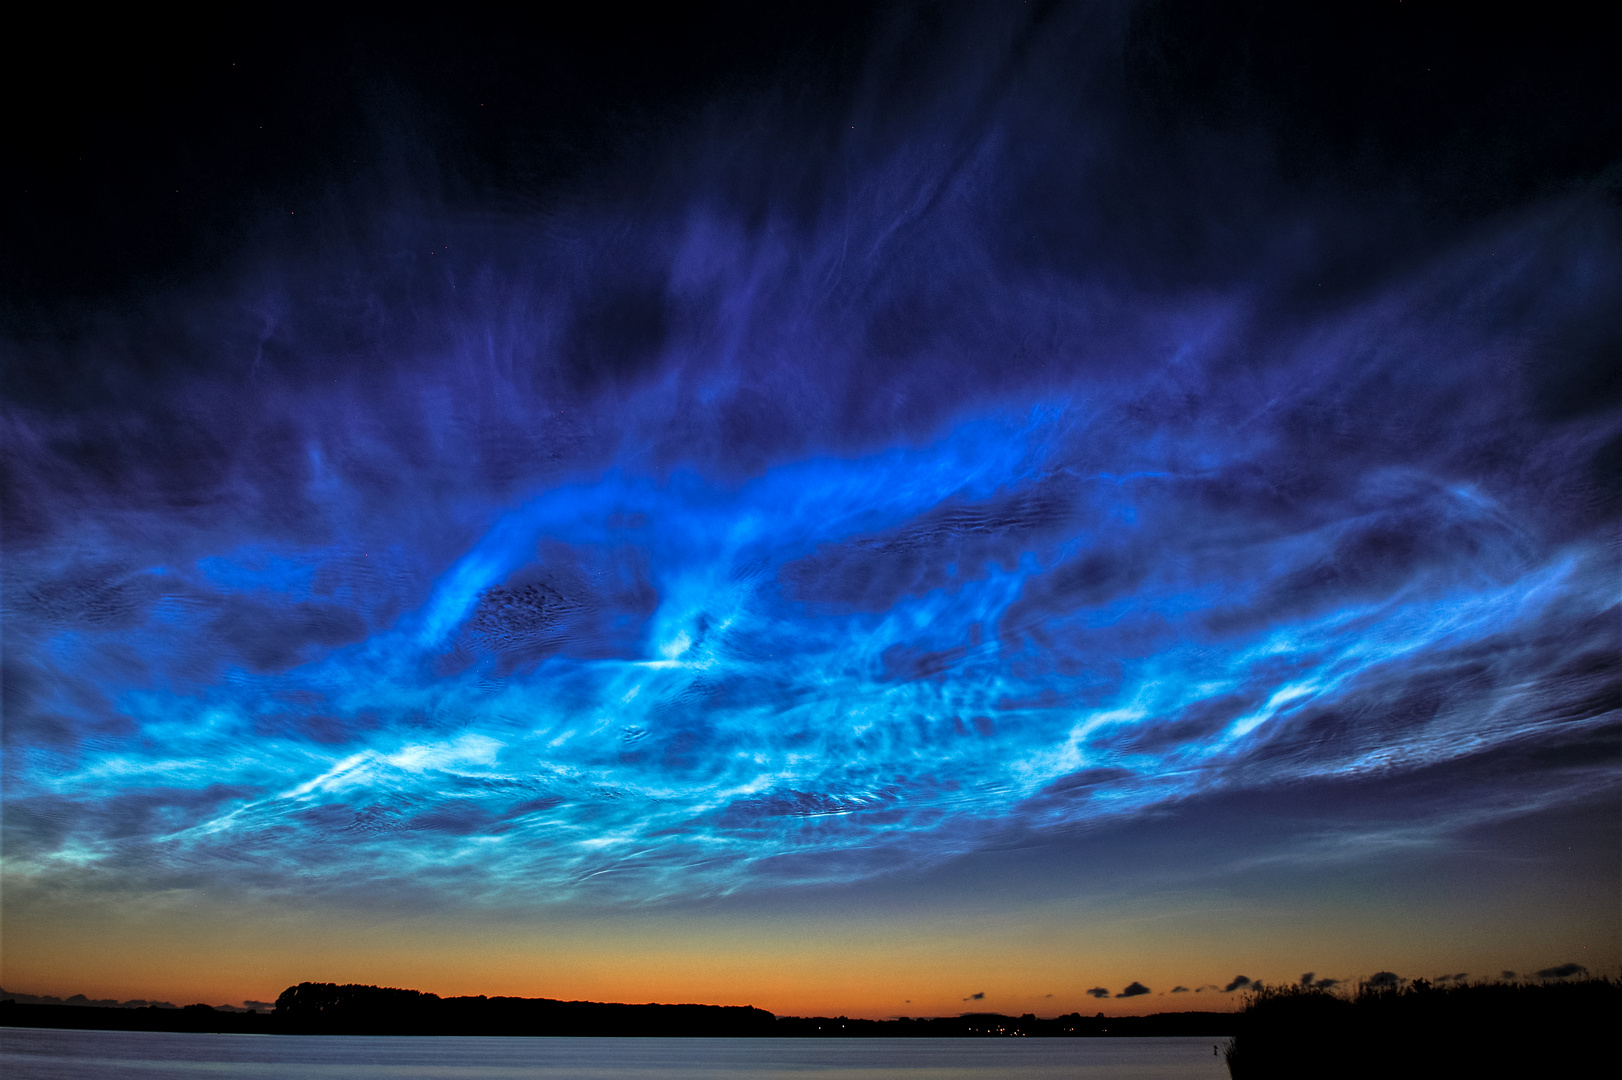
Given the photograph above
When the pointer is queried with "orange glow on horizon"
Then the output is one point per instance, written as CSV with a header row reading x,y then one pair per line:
x,y
1044,961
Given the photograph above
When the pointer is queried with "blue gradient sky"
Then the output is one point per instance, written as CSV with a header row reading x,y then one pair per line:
x,y
922,503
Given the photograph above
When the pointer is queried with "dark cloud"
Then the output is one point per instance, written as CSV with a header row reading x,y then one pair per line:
x,y
946,545
1135,989
1563,971
572,601
1306,979
1383,980
1179,989
1325,984
458,821
1506,974
1098,992
106,595
134,814
1239,982
976,997
272,637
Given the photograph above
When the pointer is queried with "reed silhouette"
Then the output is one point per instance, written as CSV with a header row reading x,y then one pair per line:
x,y
1553,1027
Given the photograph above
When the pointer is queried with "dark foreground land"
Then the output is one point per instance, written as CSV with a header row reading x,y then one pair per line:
x,y
328,1009
1481,1030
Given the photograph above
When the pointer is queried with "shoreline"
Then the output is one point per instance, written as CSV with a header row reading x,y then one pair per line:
x,y
201,1020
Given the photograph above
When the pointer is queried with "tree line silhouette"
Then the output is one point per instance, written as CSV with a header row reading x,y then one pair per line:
x,y
333,1009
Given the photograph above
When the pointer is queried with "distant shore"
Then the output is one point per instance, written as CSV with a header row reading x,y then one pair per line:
x,y
327,1009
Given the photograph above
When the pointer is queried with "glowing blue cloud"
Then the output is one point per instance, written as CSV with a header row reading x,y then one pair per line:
x,y
767,549
835,667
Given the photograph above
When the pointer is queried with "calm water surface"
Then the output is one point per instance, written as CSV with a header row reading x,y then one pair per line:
x,y
39,1054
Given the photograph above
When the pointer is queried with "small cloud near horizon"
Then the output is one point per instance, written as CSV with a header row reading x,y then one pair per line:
x,y
1506,974
1137,989
1382,980
1179,989
1239,981
976,997
1306,979
1098,992
1563,971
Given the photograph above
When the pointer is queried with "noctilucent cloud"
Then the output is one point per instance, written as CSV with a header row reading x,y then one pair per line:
x,y
991,462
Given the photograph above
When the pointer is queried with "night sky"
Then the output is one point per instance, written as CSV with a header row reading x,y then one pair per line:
x,y
881,509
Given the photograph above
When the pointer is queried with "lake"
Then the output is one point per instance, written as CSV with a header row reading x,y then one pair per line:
x,y
45,1054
